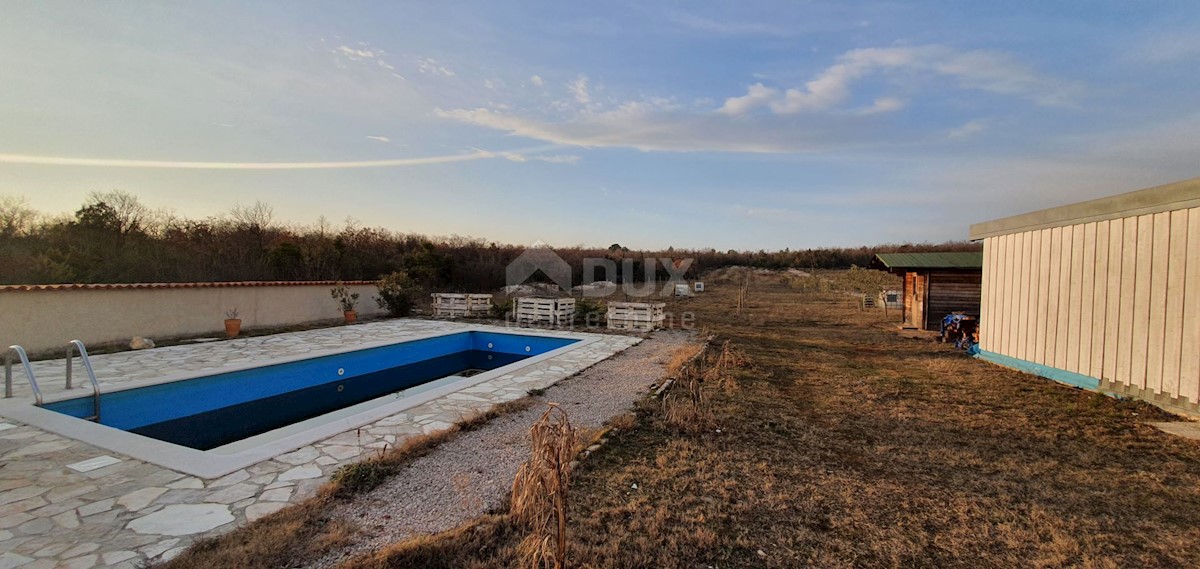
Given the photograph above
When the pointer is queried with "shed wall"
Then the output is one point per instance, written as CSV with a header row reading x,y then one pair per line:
x,y
951,291
1116,300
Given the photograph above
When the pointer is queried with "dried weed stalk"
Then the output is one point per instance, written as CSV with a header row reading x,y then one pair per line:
x,y
686,405
719,372
539,492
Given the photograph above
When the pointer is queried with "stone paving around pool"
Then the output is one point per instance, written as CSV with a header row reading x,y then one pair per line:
x,y
64,503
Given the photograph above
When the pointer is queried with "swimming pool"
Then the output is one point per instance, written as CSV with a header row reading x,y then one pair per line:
x,y
208,412
215,423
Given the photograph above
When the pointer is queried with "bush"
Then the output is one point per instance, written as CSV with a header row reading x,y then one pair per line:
x,y
396,293
590,311
502,309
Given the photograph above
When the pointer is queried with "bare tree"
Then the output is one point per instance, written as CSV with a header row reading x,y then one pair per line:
x,y
15,216
257,217
129,214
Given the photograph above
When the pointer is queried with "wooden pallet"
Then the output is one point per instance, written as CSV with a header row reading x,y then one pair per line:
x,y
543,310
636,316
458,305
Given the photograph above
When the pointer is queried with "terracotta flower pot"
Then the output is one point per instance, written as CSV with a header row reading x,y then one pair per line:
x,y
351,316
233,327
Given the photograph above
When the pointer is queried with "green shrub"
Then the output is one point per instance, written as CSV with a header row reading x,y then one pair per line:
x,y
397,293
502,309
590,311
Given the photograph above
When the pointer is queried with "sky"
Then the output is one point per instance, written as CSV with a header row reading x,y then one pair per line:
x,y
748,125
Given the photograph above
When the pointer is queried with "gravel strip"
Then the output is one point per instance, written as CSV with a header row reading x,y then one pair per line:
x,y
472,474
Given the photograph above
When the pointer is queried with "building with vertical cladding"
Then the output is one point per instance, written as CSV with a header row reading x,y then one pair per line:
x,y
1102,294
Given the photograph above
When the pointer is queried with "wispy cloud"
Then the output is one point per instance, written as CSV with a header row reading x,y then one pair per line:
x,y
825,114
380,138
968,129
756,96
729,28
1166,47
431,66
558,158
651,126
356,53
537,81
190,165
550,158
982,70
579,89
883,105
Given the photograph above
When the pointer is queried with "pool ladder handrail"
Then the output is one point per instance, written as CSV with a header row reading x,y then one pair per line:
x,y
8,379
77,345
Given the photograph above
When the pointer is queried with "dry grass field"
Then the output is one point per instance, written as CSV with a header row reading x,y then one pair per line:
x,y
840,444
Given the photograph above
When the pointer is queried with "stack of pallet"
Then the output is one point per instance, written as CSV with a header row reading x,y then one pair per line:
x,y
636,316
541,310
457,305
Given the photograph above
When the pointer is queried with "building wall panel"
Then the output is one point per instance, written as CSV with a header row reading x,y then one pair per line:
x,y
1117,299
1063,334
1189,361
1141,300
1052,288
1031,304
1043,301
1124,346
1074,300
1173,314
1112,316
1099,300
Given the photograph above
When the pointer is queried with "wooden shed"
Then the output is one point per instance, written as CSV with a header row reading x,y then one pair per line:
x,y
935,284
1102,294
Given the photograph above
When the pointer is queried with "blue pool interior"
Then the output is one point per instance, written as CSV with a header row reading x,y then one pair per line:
x,y
211,411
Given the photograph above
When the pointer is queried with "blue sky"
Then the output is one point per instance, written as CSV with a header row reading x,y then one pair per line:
x,y
730,125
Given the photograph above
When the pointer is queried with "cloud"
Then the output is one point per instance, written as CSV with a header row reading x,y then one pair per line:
x,y
557,158
658,125
1068,169
883,105
190,165
432,67
757,95
728,28
537,80
822,115
550,158
356,54
380,138
981,70
970,128
1165,47
579,89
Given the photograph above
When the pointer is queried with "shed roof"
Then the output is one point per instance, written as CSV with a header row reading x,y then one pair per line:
x,y
937,260
1169,197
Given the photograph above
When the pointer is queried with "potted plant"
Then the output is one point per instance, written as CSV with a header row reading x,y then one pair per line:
x,y
233,324
346,300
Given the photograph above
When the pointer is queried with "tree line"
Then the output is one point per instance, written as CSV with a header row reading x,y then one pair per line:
x,y
114,238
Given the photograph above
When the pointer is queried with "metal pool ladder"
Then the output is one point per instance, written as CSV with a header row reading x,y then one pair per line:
x,y
87,364
8,382
37,391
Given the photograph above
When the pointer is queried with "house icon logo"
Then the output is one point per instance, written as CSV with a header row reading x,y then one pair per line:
x,y
539,257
